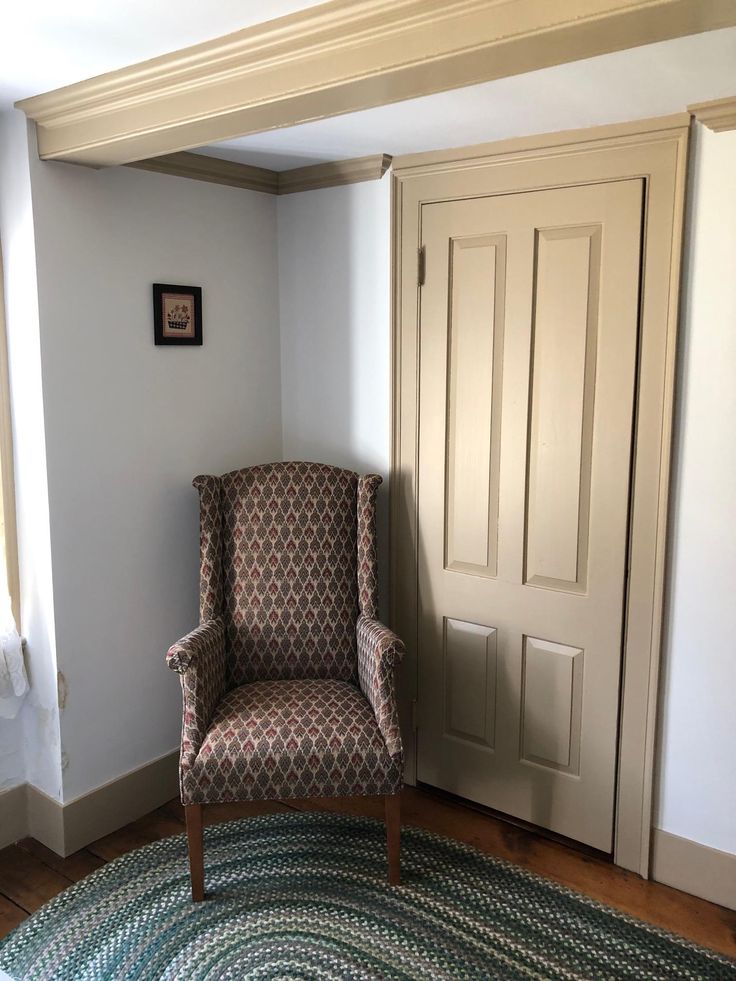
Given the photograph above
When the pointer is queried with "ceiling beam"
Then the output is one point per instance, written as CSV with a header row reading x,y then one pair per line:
x,y
338,57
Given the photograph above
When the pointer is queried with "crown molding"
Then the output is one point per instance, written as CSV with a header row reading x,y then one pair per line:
x,y
334,173
338,57
201,167
719,115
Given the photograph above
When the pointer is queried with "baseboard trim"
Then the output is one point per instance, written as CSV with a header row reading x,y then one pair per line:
x,y
12,814
694,868
45,819
120,801
26,811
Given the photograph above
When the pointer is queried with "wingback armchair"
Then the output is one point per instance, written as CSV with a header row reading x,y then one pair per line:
x,y
288,681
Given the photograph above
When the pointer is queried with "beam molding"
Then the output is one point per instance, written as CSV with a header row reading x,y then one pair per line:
x,y
719,115
201,167
339,57
214,170
333,174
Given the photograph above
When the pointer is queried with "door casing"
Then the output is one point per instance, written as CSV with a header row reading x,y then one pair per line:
x,y
655,150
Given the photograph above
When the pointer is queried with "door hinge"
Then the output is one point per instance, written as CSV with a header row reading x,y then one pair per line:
x,y
421,265
414,714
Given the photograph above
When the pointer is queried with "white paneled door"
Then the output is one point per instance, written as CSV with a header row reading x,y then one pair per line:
x,y
528,337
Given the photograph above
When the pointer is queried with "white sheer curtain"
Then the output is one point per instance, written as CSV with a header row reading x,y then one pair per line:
x,y
13,679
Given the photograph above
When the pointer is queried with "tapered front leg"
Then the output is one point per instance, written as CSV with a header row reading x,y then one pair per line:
x,y
195,839
393,837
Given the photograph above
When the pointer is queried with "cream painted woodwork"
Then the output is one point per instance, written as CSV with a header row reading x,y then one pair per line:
x,y
338,57
8,525
719,115
213,170
654,149
528,327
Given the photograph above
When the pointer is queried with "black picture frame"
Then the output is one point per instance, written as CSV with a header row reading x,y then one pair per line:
x,y
176,327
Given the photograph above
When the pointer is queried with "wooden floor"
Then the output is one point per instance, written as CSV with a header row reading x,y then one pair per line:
x,y
31,874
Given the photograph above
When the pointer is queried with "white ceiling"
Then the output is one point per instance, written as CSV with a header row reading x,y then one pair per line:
x,y
653,80
45,44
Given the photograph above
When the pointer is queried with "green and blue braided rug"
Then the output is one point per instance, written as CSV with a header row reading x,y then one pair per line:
x,y
304,896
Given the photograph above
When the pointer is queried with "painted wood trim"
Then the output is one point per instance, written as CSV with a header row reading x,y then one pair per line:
x,y
402,497
649,506
539,144
65,828
694,868
334,173
656,150
719,115
338,57
13,816
45,820
117,803
213,170
7,478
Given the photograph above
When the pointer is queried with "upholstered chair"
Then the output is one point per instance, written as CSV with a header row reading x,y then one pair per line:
x,y
288,681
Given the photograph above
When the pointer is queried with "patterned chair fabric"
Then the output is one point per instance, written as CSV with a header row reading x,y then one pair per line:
x,y
312,738
288,682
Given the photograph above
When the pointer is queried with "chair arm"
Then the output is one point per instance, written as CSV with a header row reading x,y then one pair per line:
x,y
205,642
199,659
379,651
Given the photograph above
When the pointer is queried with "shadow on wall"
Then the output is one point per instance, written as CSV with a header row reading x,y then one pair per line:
x,y
334,294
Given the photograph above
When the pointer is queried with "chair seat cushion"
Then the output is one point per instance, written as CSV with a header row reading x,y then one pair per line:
x,y
281,739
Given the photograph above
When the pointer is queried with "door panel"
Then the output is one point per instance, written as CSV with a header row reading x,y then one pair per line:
x,y
528,345
475,328
550,704
566,274
470,681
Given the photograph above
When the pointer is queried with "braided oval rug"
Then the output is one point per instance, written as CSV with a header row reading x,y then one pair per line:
x,y
304,896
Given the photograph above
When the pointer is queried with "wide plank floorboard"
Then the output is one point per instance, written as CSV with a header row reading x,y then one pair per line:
x,y
27,881
154,826
30,874
698,920
10,916
74,867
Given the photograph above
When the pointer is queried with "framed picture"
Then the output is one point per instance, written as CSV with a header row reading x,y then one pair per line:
x,y
177,314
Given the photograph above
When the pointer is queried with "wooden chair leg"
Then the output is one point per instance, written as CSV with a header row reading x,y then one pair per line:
x,y
393,837
195,839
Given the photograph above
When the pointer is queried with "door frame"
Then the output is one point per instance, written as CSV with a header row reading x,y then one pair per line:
x,y
655,150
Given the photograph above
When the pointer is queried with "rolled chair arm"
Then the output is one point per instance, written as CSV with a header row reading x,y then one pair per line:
x,y
199,659
205,643
379,651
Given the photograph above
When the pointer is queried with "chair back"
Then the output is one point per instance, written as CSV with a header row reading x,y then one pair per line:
x,y
287,583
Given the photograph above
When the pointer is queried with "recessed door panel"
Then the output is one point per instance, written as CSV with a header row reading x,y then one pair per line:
x,y
550,704
470,681
562,394
477,276
528,338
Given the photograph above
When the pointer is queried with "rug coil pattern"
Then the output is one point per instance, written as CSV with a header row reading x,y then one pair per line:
x,y
304,896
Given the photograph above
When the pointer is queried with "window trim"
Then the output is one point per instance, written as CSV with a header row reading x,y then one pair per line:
x,y
7,471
